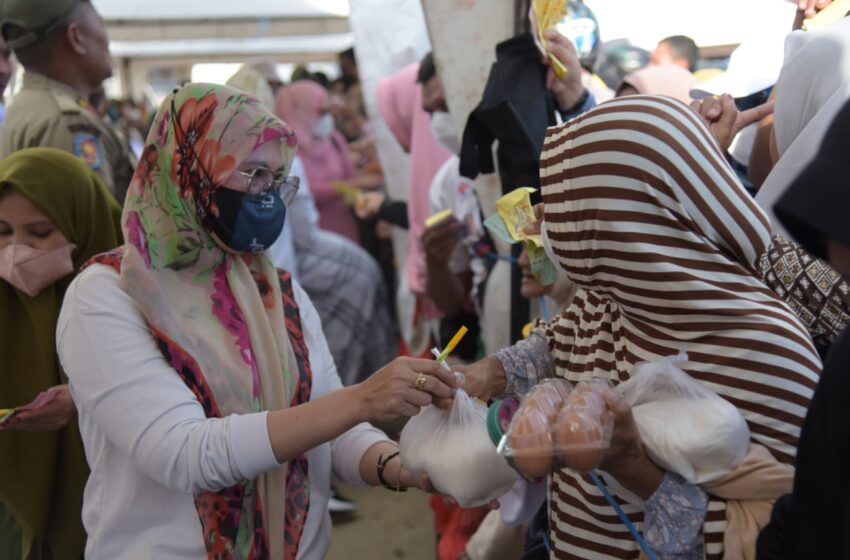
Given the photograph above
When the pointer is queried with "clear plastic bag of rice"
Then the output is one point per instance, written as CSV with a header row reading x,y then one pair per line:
x,y
455,450
686,427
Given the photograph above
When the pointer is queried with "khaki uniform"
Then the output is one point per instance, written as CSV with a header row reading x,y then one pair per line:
x,y
48,113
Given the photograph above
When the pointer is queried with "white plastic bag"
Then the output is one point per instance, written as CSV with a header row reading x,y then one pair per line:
x,y
687,428
454,449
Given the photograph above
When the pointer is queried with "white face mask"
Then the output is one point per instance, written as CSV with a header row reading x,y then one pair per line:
x,y
324,127
547,246
444,131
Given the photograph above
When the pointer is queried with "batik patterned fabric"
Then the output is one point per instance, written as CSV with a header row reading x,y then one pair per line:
x,y
221,319
646,217
814,290
347,289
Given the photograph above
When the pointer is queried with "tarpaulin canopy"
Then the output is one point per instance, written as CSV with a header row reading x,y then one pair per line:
x,y
148,34
211,29
156,41
216,9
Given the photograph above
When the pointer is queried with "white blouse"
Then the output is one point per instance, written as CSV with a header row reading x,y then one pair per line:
x,y
150,446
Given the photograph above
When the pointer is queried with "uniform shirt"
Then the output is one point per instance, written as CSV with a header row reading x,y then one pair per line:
x,y
151,447
51,114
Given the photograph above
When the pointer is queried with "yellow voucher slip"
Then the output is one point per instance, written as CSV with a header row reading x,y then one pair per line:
x,y
516,211
547,14
438,217
348,192
829,15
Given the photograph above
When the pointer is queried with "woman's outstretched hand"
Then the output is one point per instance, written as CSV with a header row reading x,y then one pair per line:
x,y
483,379
54,415
392,391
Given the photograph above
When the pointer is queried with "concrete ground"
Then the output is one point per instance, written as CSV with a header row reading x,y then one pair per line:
x,y
386,526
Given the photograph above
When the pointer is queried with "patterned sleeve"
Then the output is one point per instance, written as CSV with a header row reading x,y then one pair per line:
x,y
673,520
817,294
526,363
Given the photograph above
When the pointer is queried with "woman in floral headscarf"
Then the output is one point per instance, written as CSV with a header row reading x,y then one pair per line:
x,y
343,281
209,405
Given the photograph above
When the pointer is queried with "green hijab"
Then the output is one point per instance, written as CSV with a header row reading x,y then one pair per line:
x,y
42,474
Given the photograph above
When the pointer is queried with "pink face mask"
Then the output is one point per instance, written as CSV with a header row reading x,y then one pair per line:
x,y
31,270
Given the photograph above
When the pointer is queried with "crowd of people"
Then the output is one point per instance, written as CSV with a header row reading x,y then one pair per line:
x,y
198,301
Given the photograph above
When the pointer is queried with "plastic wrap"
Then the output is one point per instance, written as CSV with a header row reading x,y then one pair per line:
x,y
686,428
454,449
557,426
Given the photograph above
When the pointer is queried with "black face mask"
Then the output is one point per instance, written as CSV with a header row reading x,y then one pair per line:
x,y
247,223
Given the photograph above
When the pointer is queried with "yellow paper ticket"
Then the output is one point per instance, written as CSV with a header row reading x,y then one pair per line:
x,y
348,192
437,218
516,211
548,14
829,15
5,413
560,69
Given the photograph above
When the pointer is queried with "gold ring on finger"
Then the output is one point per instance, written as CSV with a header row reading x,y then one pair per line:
x,y
421,379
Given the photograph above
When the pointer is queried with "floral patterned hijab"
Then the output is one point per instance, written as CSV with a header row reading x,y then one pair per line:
x,y
217,315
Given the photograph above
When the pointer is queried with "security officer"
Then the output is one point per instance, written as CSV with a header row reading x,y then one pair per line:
x,y
64,49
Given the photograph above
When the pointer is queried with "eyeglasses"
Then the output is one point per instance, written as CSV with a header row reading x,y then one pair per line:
x,y
262,179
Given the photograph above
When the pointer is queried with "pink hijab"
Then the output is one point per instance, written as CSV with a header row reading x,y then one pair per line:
x,y
400,104
301,104
666,79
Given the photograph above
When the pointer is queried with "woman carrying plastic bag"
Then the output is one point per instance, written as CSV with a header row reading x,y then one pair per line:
x,y
644,214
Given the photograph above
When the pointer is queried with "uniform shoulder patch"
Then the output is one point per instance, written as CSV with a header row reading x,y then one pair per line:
x,y
87,146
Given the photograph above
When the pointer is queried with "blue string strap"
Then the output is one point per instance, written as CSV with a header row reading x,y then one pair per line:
x,y
629,525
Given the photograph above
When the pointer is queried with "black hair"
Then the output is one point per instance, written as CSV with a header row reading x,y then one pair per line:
x,y
684,47
320,78
349,54
427,69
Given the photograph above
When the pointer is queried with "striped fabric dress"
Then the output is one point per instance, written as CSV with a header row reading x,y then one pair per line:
x,y
646,217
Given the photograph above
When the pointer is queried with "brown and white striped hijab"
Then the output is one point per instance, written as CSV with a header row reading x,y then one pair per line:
x,y
647,218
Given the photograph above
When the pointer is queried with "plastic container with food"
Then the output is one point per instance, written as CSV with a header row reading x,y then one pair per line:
x,y
584,427
528,441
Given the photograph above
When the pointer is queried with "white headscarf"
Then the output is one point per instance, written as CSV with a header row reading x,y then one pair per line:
x,y
813,86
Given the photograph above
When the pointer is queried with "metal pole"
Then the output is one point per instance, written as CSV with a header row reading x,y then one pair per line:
x,y
521,24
